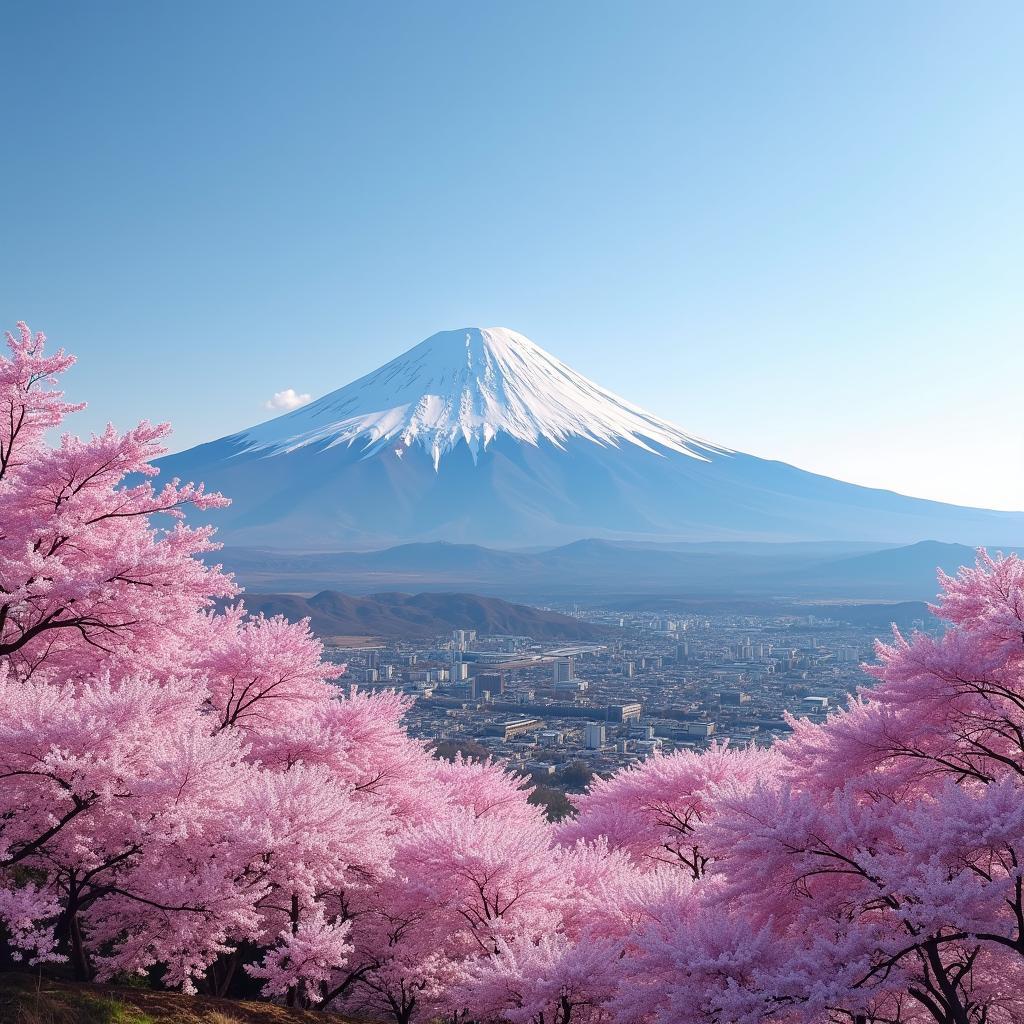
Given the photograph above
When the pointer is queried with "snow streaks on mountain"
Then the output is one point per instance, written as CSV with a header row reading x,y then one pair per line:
x,y
468,386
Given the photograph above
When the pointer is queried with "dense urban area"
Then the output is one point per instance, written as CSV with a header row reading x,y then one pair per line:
x,y
560,713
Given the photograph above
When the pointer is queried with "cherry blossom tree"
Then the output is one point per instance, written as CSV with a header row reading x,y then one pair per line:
x,y
656,811
101,782
943,707
262,674
934,752
308,955
85,579
152,810
553,980
477,872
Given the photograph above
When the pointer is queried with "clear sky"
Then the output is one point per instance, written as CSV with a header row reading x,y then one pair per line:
x,y
794,228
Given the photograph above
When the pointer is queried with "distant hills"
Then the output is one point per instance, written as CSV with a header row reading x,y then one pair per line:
x,y
416,616
907,571
588,570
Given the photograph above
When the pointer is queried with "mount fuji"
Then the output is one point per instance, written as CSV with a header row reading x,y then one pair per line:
x,y
480,436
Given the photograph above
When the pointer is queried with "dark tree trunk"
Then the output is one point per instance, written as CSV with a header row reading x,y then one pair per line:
x,y
222,973
69,937
291,998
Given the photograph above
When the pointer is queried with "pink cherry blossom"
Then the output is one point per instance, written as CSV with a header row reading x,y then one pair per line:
x,y
656,811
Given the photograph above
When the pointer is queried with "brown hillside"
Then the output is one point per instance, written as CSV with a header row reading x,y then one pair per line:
x,y
27,999
421,615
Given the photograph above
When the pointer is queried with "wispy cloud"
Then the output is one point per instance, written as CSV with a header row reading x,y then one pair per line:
x,y
287,399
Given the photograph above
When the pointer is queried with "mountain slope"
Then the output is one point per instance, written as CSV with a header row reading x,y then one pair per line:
x,y
479,436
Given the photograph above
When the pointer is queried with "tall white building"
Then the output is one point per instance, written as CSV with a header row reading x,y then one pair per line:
x,y
562,670
461,638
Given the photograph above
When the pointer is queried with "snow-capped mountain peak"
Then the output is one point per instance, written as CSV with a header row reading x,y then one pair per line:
x,y
555,458
470,385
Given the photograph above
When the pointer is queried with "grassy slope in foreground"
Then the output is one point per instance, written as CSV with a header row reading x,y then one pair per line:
x,y
28,999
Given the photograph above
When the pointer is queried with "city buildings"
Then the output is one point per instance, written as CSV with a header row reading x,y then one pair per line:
x,y
658,683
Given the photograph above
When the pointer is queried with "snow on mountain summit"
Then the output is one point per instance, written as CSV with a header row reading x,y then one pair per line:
x,y
470,385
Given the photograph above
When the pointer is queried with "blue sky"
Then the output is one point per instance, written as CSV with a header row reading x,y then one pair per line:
x,y
795,228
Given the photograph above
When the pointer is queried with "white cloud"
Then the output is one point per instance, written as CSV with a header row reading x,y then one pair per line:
x,y
287,399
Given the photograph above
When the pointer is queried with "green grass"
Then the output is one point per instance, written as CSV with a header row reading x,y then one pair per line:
x,y
104,1010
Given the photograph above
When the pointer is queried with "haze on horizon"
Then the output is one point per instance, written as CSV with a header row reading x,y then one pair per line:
x,y
798,232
